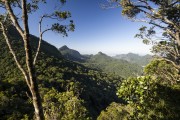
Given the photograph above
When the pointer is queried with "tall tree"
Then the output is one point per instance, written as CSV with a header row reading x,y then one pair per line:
x,y
164,20
8,18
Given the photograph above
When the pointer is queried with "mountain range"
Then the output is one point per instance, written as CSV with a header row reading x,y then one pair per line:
x,y
93,79
135,58
124,65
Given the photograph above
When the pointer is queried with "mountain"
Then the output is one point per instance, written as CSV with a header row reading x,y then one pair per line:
x,y
103,62
57,78
71,54
110,65
135,58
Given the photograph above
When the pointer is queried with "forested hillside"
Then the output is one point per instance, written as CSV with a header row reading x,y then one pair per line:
x,y
40,82
135,58
71,54
100,61
58,79
108,64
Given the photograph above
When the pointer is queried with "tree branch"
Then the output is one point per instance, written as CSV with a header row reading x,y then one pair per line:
x,y
40,38
176,66
13,17
14,55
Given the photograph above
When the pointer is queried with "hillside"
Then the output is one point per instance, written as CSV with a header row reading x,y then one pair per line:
x,y
71,54
93,89
108,64
135,58
103,62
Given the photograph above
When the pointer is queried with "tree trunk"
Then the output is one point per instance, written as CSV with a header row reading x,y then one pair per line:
x,y
30,74
30,67
33,80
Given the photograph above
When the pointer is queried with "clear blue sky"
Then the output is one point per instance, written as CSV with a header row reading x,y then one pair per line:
x,y
96,30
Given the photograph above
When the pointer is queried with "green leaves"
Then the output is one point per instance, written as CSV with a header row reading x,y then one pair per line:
x,y
64,106
62,15
163,70
63,29
139,93
130,11
116,111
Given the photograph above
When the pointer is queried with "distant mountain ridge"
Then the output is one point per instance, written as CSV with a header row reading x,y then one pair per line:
x,y
110,65
71,54
103,62
135,58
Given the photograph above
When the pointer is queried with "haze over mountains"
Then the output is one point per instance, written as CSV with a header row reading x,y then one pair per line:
x,y
124,65
135,58
75,55
92,78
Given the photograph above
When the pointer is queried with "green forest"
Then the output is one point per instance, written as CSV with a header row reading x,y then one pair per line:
x,y
39,81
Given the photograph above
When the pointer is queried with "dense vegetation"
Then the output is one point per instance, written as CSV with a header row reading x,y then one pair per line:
x,y
135,58
62,84
69,90
104,63
153,96
72,55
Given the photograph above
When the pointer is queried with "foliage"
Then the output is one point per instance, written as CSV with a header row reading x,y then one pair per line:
x,y
163,70
150,99
116,111
20,22
64,106
91,90
139,94
135,58
163,18
154,96
103,63
72,55
110,65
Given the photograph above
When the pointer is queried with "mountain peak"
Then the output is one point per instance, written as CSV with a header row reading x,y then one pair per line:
x,y
63,48
101,53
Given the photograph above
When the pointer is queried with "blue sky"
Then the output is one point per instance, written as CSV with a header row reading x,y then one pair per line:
x,y
96,30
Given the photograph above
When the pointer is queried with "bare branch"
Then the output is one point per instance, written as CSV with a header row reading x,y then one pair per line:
x,y
157,25
40,38
39,45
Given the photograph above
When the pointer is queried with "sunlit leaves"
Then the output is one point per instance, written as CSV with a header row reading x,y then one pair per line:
x,y
116,111
139,93
163,70
64,106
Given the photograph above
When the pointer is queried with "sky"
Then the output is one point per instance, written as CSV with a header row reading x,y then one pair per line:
x,y
97,29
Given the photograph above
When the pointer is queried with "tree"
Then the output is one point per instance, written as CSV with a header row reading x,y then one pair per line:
x,y
163,70
152,95
116,111
151,98
163,16
9,18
